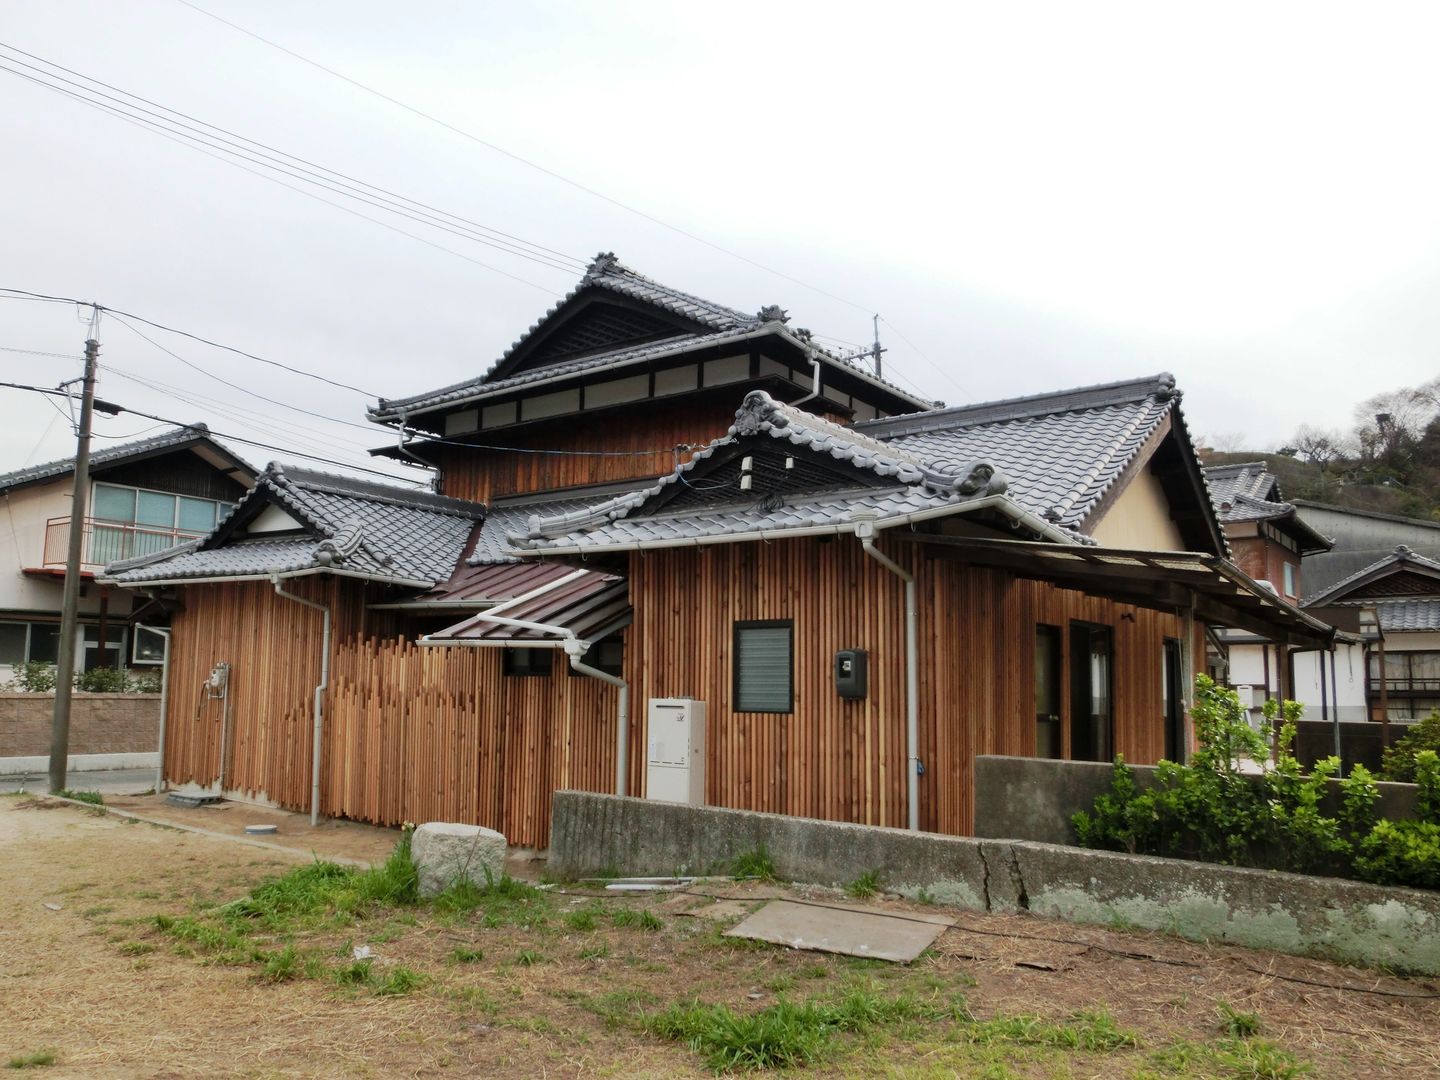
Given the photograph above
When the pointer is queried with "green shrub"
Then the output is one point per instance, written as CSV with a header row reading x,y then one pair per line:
x,y
1401,853
1399,761
102,680
146,682
33,677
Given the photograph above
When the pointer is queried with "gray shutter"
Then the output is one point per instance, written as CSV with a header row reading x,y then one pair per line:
x,y
762,669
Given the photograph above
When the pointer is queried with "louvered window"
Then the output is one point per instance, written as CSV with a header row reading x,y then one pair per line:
x,y
764,662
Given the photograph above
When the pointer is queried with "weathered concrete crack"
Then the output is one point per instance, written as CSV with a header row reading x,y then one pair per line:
x,y
1022,898
985,875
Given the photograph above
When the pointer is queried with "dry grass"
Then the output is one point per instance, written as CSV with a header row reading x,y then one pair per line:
x,y
111,995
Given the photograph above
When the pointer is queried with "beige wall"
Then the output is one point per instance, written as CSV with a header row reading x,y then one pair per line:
x,y
22,546
1140,519
99,724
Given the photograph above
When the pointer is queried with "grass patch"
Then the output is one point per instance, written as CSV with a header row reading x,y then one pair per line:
x,y
1236,1024
38,1059
528,958
788,1034
634,917
463,955
754,864
282,966
595,952
1094,1031
585,919
397,983
136,948
94,798
864,886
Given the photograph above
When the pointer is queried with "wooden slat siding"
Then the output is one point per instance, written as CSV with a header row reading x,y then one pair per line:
x,y
845,760
411,733
482,475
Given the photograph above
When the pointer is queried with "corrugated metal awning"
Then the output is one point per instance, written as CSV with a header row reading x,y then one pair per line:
x,y
588,604
475,587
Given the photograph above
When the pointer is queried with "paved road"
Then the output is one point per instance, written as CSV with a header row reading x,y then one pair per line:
x,y
107,782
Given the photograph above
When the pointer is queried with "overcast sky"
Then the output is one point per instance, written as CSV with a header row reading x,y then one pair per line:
x,y
1033,196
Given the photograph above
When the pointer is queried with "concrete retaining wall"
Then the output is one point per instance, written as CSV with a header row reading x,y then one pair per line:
x,y
99,724
1021,798
1342,920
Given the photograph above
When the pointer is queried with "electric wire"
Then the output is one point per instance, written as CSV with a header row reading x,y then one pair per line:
x,y
193,337
343,185
523,160
191,145
264,153
228,436
41,352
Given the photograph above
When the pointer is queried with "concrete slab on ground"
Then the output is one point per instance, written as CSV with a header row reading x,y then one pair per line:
x,y
843,928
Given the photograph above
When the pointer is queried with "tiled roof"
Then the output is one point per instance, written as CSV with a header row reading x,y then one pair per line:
x,y
509,517
1409,616
112,455
1401,558
914,485
722,325
1060,453
1251,478
356,527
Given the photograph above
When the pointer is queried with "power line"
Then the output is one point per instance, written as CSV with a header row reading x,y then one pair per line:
x,y
194,337
195,145
522,160
224,435
498,238
39,352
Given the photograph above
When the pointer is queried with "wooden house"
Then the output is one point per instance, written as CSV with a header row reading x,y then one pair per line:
x,y
1029,576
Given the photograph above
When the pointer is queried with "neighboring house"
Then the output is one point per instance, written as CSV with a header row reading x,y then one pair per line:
x,y
1394,603
1065,554
1277,546
144,497
1361,538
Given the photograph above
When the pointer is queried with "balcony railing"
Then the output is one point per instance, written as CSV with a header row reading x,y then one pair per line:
x,y
106,542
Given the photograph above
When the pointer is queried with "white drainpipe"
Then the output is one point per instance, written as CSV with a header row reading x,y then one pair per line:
x,y
575,650
164,703
319,713
865,532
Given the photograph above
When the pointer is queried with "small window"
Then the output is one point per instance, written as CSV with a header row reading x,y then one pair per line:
x,y
607,656
12,643
1290,589
149,647
526,662
44,642
764,666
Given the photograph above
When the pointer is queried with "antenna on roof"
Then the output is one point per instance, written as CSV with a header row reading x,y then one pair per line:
x,y
876,350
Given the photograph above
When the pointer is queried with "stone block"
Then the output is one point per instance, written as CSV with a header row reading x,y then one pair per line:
x,y
445,852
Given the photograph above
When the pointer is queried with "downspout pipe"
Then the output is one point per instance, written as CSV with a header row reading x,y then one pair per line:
x,y
575,649
164,703
865,532
319,707
814,374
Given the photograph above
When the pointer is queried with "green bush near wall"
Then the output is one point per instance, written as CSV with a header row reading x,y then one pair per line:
x,y
1211,811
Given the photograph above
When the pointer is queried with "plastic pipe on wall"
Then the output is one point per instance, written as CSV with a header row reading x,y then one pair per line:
x,y
319,715
865,532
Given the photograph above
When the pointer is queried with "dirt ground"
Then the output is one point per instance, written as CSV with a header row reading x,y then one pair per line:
x,y
86,976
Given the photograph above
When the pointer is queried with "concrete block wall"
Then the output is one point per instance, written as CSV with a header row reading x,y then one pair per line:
x,y
99,724
1307,916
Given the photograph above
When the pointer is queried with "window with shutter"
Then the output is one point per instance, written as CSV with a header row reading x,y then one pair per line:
x,y
764,664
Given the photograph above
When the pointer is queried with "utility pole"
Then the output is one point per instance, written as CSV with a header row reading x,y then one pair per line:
x,y
69,619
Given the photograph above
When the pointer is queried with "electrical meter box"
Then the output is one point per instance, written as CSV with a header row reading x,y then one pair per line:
x,y
675,769
850,673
